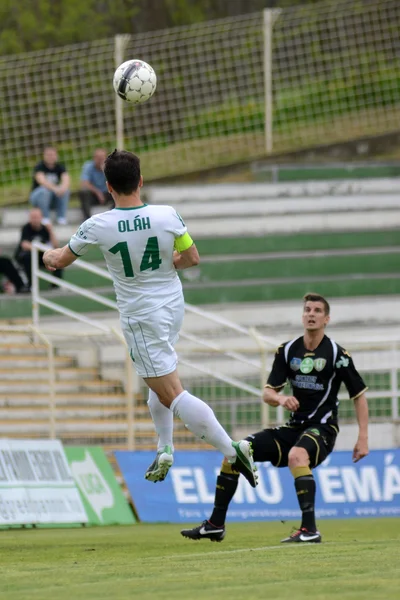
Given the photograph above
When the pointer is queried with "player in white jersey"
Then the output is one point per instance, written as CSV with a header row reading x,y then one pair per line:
x,y
143,246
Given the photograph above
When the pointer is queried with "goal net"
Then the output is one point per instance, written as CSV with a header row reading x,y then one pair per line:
x,y
228,90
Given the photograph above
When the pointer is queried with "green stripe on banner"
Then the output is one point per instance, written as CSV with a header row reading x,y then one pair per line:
x,y
101,494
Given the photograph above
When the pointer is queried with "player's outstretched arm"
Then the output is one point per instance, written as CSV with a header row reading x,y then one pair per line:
x,y
361,447
58,258
186,258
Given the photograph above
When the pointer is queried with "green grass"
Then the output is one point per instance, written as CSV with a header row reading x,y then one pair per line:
x,y
358,560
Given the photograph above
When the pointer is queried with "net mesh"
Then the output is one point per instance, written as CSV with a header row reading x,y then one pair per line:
x,y
334,73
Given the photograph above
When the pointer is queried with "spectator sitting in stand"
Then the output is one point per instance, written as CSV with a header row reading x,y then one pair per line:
x,y
7,268
93,184
35,231
50,188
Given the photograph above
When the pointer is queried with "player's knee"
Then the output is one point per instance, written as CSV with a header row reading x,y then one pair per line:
x,y
298,457
44,194
165,398
167,387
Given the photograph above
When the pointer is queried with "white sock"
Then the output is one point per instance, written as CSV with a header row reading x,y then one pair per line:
x,y
163,420
200,419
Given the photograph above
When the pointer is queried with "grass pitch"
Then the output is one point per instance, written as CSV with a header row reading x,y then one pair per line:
x,y
358,560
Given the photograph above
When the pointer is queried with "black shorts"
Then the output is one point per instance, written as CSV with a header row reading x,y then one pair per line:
x,y
274,445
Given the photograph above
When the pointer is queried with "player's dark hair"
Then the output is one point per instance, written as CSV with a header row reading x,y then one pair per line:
x,y
311,297
122,171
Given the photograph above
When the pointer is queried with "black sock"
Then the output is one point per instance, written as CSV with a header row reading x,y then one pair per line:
x,y
305,489
224,492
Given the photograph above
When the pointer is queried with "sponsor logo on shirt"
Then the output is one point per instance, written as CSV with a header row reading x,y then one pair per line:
x,y
343,362
319,364
307,365
295,364
307,382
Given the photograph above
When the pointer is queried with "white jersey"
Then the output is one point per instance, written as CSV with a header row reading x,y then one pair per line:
x,y
137,244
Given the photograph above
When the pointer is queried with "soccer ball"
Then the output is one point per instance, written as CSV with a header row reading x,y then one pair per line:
x,y
135,81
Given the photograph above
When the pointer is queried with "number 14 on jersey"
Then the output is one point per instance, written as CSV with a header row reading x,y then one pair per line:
x,y
150,259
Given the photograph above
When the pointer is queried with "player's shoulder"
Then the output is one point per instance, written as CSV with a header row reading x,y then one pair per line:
x,y
338,349
161,208
97,218
164,213
88,164
286,346
342,350
90,223
60,168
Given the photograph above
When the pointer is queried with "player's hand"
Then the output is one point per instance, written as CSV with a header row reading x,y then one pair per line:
x,y
101,198
46,261
360,449
60,190
175,257
49,268
289,402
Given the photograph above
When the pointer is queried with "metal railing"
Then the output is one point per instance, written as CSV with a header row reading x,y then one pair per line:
x,y
227,364
228,382
260,342
58,343
36,333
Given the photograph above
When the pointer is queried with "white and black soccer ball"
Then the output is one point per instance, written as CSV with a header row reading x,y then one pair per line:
x,y
135,81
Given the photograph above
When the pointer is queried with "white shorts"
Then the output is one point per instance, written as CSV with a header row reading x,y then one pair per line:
x,y
151,338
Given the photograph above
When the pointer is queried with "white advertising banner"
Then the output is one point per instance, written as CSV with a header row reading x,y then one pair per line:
x,y
36,484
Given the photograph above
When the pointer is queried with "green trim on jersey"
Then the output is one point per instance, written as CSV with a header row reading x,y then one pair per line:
x,y
73,252
130,207
183,242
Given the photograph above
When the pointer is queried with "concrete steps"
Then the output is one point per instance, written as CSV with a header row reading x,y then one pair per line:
x,y
13,349
16,398
88,408
250,225
41,385
61,374
23,361
182,194
235,209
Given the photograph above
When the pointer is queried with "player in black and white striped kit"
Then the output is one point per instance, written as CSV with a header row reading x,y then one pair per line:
x,y
314,366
